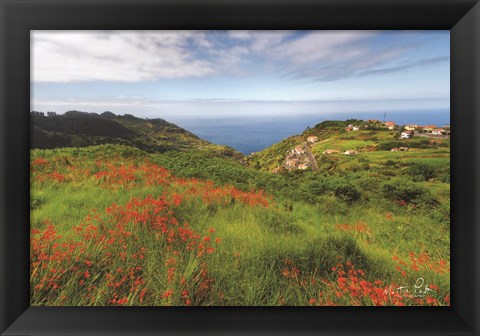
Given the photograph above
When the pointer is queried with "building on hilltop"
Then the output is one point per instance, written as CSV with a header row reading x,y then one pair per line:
x,y
350,152
438,131
429,128
331,151
304,166
299,150
291,164
390,125
410,127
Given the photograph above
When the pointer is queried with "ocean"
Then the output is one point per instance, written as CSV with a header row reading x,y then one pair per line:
x,y
252,134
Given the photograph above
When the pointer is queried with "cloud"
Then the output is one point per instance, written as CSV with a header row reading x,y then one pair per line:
x,y
113,56
240,34
335,55
323,55
133,56
421,63
324,46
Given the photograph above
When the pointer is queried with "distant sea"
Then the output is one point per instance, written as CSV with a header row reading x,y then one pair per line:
x,y
252,134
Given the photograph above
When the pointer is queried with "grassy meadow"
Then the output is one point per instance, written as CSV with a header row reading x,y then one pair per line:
x,y
116,225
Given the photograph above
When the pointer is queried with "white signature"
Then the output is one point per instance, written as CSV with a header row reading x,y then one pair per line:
x,y
419,289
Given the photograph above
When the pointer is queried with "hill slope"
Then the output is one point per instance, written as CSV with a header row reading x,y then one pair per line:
x,y
80,129
370,145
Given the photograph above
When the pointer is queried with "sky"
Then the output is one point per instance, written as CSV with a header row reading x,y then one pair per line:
x,y
244,74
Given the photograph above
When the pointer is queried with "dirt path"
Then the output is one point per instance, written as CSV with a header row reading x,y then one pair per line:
x,y
311,158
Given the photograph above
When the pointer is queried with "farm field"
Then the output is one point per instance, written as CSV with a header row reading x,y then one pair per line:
x,y
113,224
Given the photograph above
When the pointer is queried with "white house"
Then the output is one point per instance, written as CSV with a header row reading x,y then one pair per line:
x,y
350,152
355,128
312,139
298,150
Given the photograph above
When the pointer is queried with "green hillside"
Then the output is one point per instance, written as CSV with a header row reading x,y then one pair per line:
x,y
80,129
373,144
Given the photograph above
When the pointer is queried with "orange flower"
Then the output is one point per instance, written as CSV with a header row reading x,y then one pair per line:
x,y
122,301
142,294
167,293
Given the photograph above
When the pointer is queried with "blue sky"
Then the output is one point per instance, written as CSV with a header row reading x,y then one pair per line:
x,y
185,74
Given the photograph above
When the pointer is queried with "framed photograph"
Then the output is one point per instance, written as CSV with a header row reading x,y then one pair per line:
x,y
227,167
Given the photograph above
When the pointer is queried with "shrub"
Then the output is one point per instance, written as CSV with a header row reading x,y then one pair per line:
x,y
388,172
445,176
328,163
311,190
367,183
346,191
355,168
407,192
329,205
389,163
389,145
421,172
366,166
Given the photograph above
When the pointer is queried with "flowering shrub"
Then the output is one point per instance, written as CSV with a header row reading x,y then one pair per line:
x,y
421,262
103,259
350,287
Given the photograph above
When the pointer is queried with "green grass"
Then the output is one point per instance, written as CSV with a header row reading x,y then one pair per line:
x,y
287,253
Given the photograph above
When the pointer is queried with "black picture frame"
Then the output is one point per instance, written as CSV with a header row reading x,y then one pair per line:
x,y
18,17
